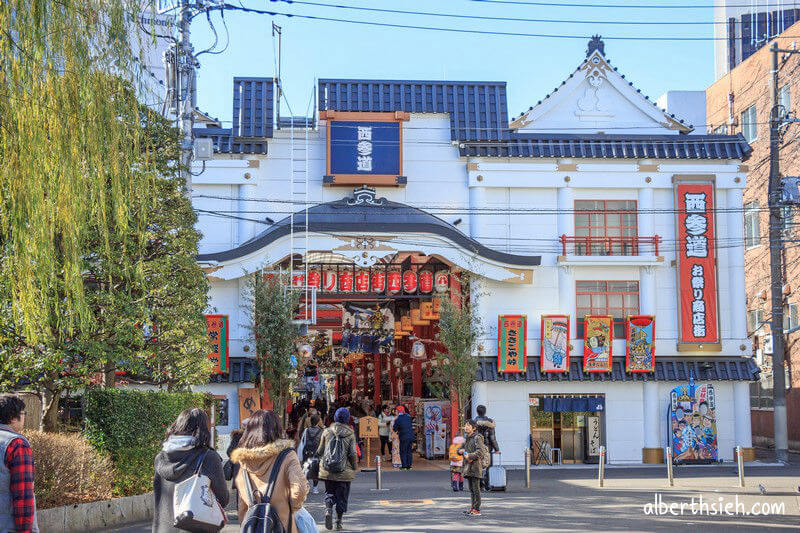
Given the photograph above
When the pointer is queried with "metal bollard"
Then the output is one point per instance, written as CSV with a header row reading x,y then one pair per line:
x,y
668,456
378,475
527,468
601,471
740,464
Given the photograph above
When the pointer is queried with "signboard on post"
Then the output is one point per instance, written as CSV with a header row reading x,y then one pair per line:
x,y
368,427
249,403
697,271
511,343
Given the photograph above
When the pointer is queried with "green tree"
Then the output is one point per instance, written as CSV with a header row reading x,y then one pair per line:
x,y
460,329
273,306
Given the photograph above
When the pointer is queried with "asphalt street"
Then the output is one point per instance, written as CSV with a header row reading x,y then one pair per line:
x,y
569,499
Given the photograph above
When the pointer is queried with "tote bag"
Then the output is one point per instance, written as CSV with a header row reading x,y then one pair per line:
x,y
194,505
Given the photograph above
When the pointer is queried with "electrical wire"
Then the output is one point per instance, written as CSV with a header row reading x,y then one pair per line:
x,y
625,6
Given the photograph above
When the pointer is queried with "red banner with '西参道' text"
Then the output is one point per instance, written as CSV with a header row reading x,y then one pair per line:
x,y
697,276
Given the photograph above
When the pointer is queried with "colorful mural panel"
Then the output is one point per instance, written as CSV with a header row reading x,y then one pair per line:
x,y
598,336
693,424
555,343
640,334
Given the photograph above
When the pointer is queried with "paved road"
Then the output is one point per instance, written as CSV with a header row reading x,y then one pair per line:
x,y
567,500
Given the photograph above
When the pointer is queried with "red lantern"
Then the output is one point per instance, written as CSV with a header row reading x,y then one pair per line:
x,y
298,280
314,279
395,281
426,281
442,282
345,281
409,281
329,281
378,281
362,281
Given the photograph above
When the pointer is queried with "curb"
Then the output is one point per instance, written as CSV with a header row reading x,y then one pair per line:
x,y
97,515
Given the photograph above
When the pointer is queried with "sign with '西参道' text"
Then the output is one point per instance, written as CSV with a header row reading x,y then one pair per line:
x,y
697,275
365,148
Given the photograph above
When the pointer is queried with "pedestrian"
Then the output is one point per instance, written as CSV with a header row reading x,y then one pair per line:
x,y
385,420
17,502
456,453
475,458
486,427
260,449
338,465
309,443
186,450
405,432
229,468
395,440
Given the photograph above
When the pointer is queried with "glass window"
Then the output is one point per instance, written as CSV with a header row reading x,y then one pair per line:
x,y
784,100
749,124
609,227
755,319
790,317
616,298
752,226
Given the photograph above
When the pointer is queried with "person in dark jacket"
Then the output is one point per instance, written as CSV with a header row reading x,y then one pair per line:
x,y
337,484
309,443
405,432
486,427
188,441
474,452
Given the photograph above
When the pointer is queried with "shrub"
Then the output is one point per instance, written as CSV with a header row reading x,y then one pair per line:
x,y
130,426
68,469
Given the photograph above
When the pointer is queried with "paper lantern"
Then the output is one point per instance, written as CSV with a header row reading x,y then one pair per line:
x,y
409,281
359,370
370,366
442,281
362,281
378,281
329,280
394,281
304,350
426,282
418,350
398,362
345,281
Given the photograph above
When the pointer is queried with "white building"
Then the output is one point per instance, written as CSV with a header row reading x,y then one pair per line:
x,y
595,161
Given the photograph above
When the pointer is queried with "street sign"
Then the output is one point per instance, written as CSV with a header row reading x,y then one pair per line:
x,y
368,427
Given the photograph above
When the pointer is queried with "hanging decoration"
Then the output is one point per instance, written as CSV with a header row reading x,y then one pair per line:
x,y
217,330
426,282
418,350
511,343
598,337
555,343
409,281
442,281
640,334
395,281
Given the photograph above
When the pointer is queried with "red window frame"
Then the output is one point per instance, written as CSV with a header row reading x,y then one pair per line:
x,y
619,231
601,295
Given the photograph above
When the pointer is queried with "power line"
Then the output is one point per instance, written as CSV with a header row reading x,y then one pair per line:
x,y
625,6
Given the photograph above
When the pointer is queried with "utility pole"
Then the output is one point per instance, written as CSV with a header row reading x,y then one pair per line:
x,y
776,267
277,30
187,91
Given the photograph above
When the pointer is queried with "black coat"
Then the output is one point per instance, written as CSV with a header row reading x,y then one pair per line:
x,y
486,428
179,465
404,427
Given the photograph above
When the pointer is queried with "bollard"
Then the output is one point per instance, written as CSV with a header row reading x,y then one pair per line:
x,y
527,468
378,475
740,464
601,471
668,456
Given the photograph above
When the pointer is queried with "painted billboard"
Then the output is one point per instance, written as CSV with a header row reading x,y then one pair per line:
x,y
693,424
555,343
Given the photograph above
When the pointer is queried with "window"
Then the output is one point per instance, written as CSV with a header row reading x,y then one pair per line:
x,y
755,319
749,125
752,228
609,227
785,100
616,298
790,317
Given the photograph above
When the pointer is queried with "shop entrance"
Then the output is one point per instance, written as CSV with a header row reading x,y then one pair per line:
x,y
569,428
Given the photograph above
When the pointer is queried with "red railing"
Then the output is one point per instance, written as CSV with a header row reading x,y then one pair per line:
x,y
608,245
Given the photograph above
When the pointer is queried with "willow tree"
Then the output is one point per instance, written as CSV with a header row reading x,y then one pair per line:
x,y
272,306
71,165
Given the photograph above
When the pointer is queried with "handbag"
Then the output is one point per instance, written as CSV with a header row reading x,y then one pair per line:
x,y
194,505
305,522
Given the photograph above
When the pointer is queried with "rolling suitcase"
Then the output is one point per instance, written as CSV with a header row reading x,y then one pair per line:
x,y
497,476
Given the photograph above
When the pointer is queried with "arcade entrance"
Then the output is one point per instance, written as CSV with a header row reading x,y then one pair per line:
x,y
566,428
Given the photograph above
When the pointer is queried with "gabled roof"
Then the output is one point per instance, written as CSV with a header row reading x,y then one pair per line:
x,y
596,98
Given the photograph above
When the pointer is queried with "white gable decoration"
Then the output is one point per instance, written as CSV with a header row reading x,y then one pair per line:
x,y
597,99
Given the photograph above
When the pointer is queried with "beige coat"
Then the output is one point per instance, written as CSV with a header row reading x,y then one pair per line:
x,y
291,488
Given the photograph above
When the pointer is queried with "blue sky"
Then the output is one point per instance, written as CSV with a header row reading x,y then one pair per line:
x,y
531,66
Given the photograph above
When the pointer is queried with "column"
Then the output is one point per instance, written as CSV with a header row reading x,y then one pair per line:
x,y
742,431
377,378
647,291
566,295
736,277
646,219
566,217
477,221
480,395
652,453
416,378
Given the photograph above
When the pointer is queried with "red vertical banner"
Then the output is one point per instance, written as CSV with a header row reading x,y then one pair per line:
x,y
512,353
217,331
697,274
598,341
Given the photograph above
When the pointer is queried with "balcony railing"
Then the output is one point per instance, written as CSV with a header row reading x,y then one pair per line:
x,y
611,246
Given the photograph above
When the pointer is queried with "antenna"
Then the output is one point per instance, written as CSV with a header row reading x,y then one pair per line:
x,y
277,30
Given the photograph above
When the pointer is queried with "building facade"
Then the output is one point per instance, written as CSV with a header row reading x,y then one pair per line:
x,y
740,102
590,215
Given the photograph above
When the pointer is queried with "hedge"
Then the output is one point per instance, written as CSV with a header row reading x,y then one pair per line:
x,y
129,425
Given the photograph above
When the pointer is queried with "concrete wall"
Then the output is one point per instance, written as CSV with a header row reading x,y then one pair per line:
x,y
96,516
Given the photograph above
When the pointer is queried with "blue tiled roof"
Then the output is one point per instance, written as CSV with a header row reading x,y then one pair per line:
x,y
613,146
478,110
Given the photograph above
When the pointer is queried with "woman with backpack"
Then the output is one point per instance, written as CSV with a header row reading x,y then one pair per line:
x,y
264,455
185,452
338,465
309,443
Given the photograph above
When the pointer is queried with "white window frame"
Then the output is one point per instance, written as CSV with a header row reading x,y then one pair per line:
x,y
785,99
752,225
749,124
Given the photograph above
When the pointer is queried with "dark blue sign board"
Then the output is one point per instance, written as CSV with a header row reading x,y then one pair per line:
x,y
365,148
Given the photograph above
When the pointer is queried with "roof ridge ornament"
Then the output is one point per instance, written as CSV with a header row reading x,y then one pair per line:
x,y
596,43
365,196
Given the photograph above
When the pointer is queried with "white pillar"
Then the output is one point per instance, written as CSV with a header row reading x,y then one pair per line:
x,y
566,295
647,291
646,218
566,215
742,431
477,221
651,415
736,287
480,395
